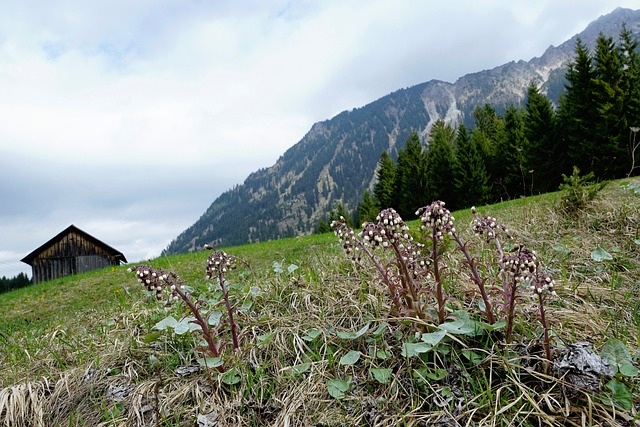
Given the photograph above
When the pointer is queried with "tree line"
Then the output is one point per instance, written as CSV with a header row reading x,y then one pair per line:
x,y
528,149
19,281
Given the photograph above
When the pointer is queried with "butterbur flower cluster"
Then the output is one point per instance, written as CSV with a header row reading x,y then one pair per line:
x,y
521,264
388,229
488,226
218,263
437,218
158,280
348,238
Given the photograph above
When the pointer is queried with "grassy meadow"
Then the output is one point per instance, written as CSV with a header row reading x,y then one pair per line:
x,y
320,345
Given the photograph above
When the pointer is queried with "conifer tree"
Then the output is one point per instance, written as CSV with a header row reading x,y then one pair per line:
x,y
543,153
631,87
471,181
608,146
510,154
384,191
367,211
410,176
439,164
577,111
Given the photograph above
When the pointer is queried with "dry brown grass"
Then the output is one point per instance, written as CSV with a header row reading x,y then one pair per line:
x,y
125,381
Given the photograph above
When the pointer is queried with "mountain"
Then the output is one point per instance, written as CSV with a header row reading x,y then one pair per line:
x,y
336,160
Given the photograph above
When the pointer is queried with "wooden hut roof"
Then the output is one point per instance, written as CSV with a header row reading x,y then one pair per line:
x,y
72,228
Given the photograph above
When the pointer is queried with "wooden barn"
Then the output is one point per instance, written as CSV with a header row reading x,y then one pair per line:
x,y
72,251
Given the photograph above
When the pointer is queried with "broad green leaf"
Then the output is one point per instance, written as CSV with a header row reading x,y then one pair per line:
x,y
337,388
350,358
382,375
150,337
231,377
433,338
380,329
181,327
620,395
301,368
411,349
210,362
265,338
353,335
472,356
167,322
436,374
636,241
562,248
214,318
461,327
292,268
312,334
383,354
617,354
600,254
277,267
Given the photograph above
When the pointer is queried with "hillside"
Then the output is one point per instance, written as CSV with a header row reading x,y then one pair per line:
x,y
320,343
335,161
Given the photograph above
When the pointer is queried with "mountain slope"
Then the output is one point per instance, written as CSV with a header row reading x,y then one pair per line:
x,y
336,159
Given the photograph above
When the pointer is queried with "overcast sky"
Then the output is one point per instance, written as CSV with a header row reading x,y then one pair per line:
x,y
128,118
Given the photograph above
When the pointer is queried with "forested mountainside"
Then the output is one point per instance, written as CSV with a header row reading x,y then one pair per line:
x,y
336,160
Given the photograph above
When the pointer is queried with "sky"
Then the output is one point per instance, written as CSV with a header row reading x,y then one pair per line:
x,y
129,118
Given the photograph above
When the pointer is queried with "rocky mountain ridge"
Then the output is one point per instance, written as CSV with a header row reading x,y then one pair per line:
x,y
336,159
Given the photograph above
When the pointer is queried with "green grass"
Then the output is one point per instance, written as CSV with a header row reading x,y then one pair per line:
x,y
67,344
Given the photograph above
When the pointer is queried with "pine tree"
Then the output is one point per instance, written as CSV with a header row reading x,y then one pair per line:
x,y
510,154
471,181
543,154
439,165
384,190
367,211
608,148
631,89
577,111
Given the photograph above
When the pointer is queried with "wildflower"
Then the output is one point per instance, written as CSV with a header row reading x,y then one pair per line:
x,y
437,218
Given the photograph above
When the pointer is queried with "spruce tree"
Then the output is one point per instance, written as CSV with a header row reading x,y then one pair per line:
x,y
439,165
471,181
631,89
410,177
608,148
367,211
543,153
510,154
384,190
577,111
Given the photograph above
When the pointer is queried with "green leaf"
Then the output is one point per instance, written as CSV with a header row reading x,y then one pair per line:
x,y
620,395
265,339
353,335
600,254
472,356
214,318
210,362
433,338
383,354
617,354
312,335
461,327
181,327
337,388
300,369
636,241
411,349
562,248
231,377
382,375
350,358
277,267
167,322
151,337
380,329
292,268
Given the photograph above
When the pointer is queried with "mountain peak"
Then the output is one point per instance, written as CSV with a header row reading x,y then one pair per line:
x,y
336,159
